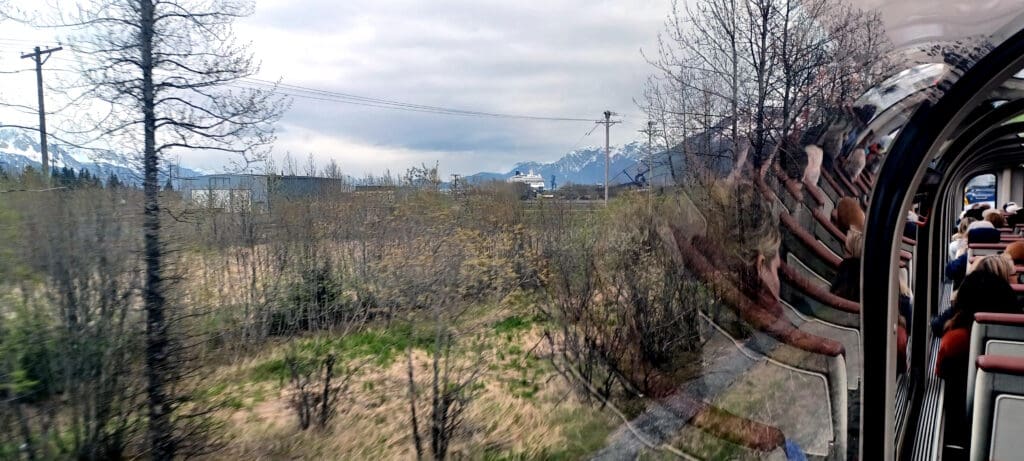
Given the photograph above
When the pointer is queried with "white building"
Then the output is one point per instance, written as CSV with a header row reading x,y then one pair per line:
x,y
535,181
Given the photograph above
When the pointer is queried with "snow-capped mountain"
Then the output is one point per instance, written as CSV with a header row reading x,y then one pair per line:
x,y
20,149
581,166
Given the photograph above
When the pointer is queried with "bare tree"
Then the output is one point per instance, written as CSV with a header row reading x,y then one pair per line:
x,y
289,168
164,69
422,177
310,165
333,170
442,269
760,56
758,73
315,394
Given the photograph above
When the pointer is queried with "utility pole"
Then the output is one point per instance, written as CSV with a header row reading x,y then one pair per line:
x,y
37,56
455,184
607,122
650,154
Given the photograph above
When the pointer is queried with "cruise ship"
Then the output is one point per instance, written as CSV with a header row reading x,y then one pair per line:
x,y
534,180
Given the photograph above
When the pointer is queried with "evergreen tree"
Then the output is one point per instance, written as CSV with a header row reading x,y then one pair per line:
x,y
113,182
94,180
67,177
84,178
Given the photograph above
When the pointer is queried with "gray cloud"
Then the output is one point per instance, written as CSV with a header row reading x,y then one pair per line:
x,y
572,58
562,58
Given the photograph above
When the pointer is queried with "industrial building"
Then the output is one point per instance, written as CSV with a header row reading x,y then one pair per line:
x,y
239,192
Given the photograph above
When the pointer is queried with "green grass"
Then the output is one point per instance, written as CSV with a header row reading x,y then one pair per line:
x,y
586,432
381,346
512,324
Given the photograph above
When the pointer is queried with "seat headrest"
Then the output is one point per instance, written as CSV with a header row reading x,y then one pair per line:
x,y
1001,364
983,235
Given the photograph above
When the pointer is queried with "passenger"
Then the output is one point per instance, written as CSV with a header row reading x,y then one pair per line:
x,y
750,240
981,292
855,163
906,307
849,215
874,159
911,225
998,265
832,140
792,160
981,224
1016,217
847,285
847,282
977,232
975,214
956,270
1015,251
995,217
958,242
813,170
913,216
906,298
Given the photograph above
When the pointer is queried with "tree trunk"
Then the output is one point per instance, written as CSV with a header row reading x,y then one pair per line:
x,y
325,396
161,438
26,431
417,441
761,57
435,404
735,83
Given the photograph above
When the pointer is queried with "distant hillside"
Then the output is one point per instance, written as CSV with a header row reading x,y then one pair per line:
x,y
581,166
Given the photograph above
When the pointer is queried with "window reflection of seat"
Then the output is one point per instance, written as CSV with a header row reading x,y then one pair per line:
x,y
781,342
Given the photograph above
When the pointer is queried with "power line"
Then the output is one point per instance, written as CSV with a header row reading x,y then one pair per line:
x,y
350,98
306,92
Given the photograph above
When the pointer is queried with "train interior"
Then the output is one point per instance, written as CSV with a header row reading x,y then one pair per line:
x,y
940,141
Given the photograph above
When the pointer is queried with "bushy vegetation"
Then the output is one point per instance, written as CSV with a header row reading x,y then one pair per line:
x,y
400,321
416,279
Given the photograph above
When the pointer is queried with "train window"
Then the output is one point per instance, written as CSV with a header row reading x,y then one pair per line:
x,y
779,234
981,190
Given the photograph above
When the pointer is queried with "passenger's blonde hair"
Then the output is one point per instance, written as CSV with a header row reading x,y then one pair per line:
x,y
742,225
905,286
965,224
854,244
996,264
746,222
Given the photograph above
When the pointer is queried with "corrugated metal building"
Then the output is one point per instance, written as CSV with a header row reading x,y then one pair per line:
x,y
237,192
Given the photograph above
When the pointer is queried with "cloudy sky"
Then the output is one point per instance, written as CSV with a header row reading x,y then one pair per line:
x,y
561,58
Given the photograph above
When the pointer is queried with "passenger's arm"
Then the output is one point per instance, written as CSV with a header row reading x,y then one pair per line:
x,y
939,322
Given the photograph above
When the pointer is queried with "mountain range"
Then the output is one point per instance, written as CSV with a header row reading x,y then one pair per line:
x,y
580,166
20,149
